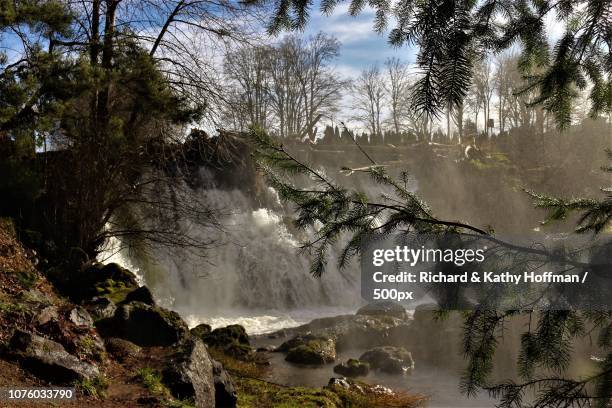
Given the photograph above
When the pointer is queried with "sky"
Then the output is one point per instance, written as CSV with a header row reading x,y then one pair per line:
x,y
361,45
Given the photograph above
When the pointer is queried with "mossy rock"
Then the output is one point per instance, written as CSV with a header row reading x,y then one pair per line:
x,y
144,325
313,352
352,368
242,352
391,360
225,335
201,330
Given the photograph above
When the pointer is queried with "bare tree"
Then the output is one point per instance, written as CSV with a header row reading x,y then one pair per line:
x,y
248,73
483,89
369,92
397,86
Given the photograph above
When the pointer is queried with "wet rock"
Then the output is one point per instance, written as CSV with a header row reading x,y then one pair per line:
x,y
121,349
387,308
392,360
142,294
144,325
351,331
80,317
225,391
201,330
101,307
352,368
266,349
339,382
48,359
46,315
310,350
189,374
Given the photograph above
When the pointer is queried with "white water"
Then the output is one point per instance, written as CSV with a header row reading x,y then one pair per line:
x,y
254,275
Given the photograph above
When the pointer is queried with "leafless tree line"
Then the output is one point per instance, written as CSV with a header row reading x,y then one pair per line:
x,y
286,88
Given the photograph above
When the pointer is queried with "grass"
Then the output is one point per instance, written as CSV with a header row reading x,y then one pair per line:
x,y
152,381
253,393
237,367
95,387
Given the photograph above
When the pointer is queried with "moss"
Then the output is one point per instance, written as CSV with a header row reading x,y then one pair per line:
x,y
225,335
27,279
315,351
201,330
113,290
19,309
238,367
152,381
253,393
95,387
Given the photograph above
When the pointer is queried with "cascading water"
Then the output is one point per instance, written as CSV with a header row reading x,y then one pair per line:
x,y
254,275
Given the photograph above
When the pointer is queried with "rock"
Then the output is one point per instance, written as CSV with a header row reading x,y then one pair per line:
x,y
224,335
46,315
49,360
352,368
142,294
266,349
80,317
233,340
239,351
311,350
121,349
339,382
225,391
351,331
144,325
387,308
392,360
201,330
101,307
189,374
113,271
109,280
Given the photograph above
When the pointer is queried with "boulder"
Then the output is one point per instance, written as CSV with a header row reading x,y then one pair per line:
x,y
350,331
49,313
144,325
225,391
233,340
391,360
142,294
121,349
101,307
201,330
386,308
189,374
224,335
80,317
48,359
352,368
310,350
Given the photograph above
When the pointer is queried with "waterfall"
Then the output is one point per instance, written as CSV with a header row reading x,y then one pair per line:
x,y
254,274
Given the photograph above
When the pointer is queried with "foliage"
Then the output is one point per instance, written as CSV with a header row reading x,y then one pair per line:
x,y
452,36
595,215
95,387
107,117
